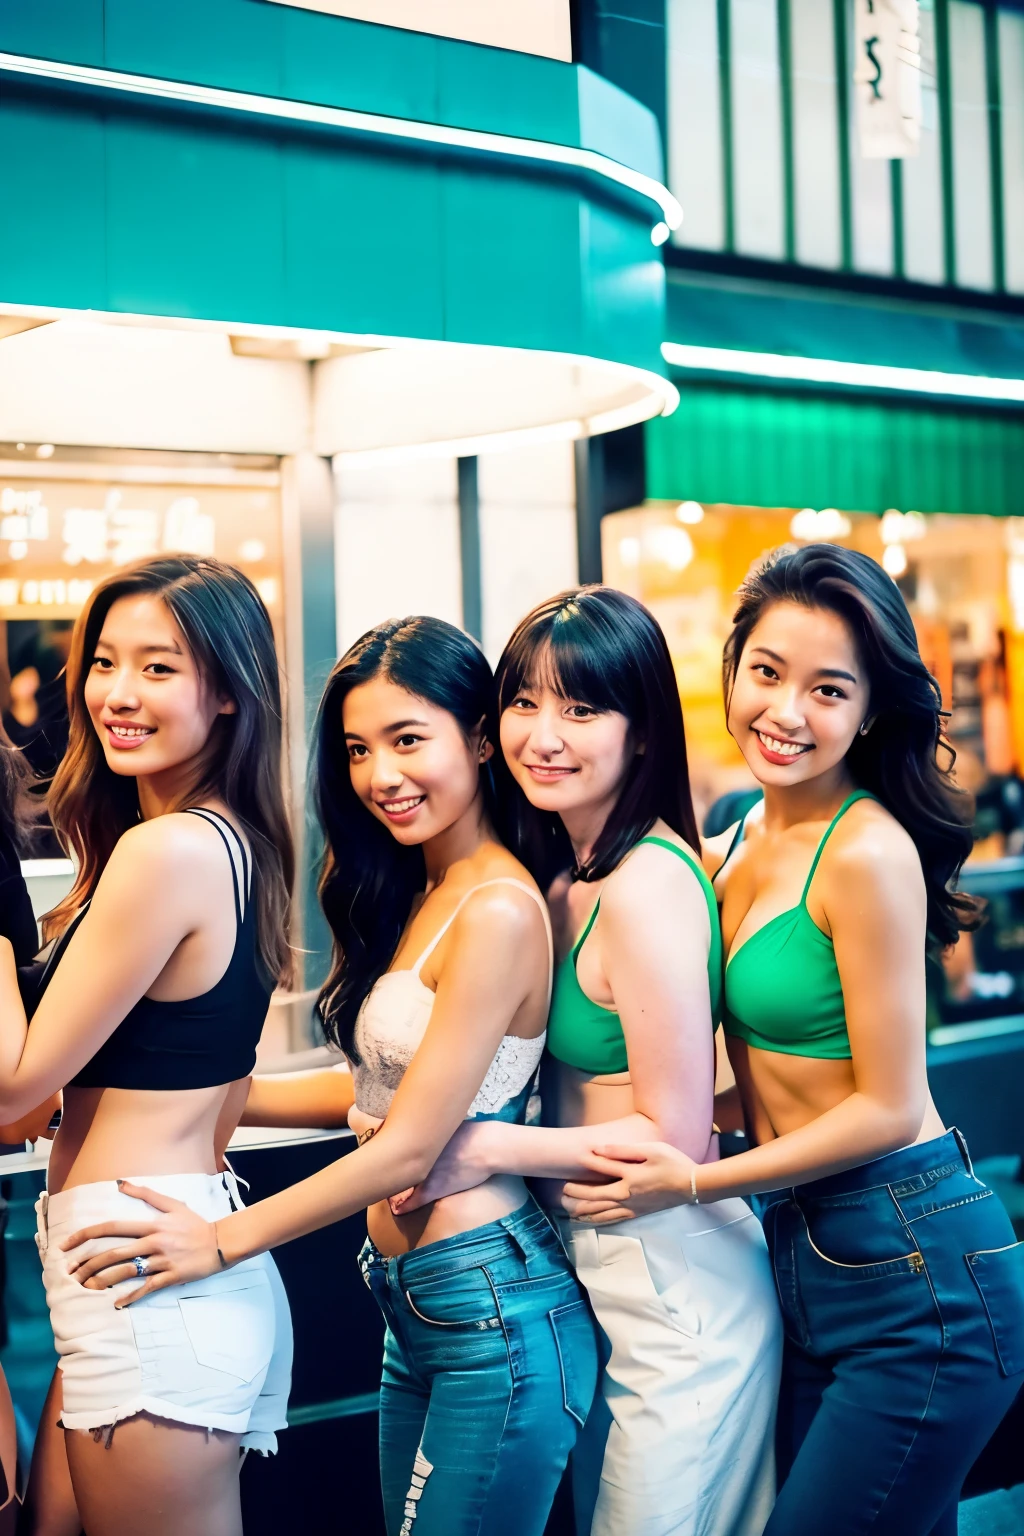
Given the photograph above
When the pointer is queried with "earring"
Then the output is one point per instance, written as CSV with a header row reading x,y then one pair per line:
x,y
864,728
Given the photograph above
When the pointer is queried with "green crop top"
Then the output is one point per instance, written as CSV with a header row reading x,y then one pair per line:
x,y
782,986
588,1036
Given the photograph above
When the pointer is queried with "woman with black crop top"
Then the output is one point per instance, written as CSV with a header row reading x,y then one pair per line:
x,y
170,943
901,1284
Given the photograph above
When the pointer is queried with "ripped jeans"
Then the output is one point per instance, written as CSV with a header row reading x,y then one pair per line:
x,y
490,1366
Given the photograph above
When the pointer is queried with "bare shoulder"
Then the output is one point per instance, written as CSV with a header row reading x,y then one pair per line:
x,y
503,909
870,852
651,882
167,847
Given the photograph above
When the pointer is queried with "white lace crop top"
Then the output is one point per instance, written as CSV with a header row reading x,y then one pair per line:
x,y
394,1019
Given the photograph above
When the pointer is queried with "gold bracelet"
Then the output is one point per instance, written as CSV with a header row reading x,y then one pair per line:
x,y
693,1188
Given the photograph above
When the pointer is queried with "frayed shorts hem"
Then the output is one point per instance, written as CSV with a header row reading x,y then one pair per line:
x,y
263,1441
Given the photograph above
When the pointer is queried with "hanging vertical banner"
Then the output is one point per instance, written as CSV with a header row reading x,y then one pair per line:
x,y
887,78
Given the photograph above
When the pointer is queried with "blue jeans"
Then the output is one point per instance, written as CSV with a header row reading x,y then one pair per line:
x,y
490,1366
902,1293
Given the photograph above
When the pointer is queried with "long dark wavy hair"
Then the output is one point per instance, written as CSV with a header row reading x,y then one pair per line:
x,y
228,633
368,879
600,647
898,759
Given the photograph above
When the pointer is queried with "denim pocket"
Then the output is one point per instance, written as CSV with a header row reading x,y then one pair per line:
x,y
576,1343
999,1275
859,1240
462,1300
229,1319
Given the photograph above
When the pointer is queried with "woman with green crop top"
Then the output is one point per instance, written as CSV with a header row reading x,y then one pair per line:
x,y
592,731
901,1284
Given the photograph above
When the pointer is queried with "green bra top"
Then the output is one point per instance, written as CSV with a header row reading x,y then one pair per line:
x,y
782,986
588,1036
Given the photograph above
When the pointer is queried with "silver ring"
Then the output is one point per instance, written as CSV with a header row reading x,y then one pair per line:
x,y
141,1267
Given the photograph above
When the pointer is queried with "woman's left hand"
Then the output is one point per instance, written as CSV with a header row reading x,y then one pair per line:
x,y
176,1243
644,1177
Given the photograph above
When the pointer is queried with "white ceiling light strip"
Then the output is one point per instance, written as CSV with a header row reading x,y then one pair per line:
x,y
819,370
346,119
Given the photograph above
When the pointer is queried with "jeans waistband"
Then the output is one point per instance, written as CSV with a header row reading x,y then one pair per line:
x,y
526,1231
908,1171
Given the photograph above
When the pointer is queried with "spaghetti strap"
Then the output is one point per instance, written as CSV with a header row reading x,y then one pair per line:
x,y
219,822
858,794
737,838
500,880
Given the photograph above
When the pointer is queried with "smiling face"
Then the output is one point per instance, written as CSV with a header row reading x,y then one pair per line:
x,y
566,756
148,702
800,695
410,762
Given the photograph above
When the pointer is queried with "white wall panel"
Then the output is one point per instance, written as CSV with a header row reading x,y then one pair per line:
x,y
396,543
695,168
923,240
757,129
815,135
972,184
527,534
1011,95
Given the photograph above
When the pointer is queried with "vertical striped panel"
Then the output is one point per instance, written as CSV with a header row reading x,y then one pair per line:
x,y
870,193
1011,81
972,186
923,256
769,448
695,153
819,240
757,129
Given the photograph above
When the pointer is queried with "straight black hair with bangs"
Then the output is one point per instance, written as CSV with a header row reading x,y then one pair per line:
x,y
598,646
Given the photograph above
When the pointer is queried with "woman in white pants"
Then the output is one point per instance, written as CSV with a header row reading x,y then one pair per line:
x,y
592,730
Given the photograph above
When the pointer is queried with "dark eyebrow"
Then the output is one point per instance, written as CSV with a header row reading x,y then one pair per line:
x,y
773,654
819,672
399,725
146,650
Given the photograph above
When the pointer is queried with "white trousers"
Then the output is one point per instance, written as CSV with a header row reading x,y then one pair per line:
x,y
681,1442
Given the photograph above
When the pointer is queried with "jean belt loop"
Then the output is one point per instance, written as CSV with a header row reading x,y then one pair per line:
x,y
962,1144
524,1242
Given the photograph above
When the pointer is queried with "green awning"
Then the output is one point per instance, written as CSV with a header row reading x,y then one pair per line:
x,y
768,447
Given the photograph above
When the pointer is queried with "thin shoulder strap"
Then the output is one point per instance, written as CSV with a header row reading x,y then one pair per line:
x,y
660,842
688,858
500,880
737,838
858,794
219,822
703,880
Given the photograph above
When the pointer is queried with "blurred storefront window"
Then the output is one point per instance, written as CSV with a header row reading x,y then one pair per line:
x,y
963,579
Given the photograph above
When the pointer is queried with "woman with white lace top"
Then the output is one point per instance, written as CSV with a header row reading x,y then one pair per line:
x,y
438,995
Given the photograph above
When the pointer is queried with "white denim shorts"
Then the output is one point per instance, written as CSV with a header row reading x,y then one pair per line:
x,y
216,1353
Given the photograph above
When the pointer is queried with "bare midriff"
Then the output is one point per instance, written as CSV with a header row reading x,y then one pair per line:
x,y
121,1133
783,1093
448,1217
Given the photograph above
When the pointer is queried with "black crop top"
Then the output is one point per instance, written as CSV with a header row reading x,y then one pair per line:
x,y
197,1042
